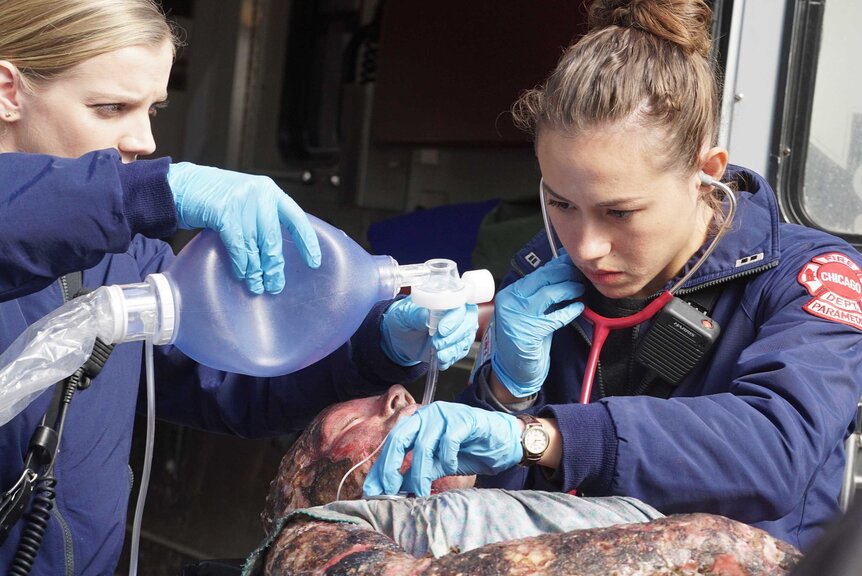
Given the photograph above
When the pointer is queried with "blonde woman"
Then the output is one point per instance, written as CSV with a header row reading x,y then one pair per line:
x,y
79,82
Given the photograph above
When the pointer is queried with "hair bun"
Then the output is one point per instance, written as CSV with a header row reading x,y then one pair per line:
x,y
685,23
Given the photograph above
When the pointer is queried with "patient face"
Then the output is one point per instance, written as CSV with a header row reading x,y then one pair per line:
x,y
340,437
355,428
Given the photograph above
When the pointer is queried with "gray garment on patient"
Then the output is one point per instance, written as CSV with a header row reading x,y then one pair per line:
x,y
466,519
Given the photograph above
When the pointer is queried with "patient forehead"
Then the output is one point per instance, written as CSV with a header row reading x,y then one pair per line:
x,y
338,420
350,408
344,430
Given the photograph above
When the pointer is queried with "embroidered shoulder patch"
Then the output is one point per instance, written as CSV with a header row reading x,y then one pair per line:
x,y
835,282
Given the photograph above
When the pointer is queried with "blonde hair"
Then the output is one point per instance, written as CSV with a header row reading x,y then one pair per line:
x,y
647,62
44,38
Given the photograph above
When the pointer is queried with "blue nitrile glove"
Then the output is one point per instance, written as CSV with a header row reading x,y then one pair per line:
x,y
405,333
446,439
247,211
523,326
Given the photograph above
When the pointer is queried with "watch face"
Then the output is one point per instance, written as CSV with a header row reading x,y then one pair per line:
x,y
535,440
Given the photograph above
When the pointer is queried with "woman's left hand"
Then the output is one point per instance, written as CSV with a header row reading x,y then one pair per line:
x,y
406,341
526,315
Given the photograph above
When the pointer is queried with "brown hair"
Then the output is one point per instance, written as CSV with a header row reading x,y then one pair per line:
x,y
646,62
44,38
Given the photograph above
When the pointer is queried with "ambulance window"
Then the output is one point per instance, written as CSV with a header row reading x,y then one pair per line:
x,y
823,155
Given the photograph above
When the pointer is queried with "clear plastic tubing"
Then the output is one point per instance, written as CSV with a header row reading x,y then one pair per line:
x,y
148,459
431,376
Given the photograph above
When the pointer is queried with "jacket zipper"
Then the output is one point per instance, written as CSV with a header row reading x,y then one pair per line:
x,y
736,276
68,546
64,287
68,549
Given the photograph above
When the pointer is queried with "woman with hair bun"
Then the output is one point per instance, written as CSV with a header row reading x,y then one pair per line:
x,y
639,199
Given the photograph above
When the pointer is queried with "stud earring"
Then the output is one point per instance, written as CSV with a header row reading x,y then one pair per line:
x,y
7,114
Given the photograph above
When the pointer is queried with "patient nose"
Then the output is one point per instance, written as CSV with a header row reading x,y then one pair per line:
x,y
397,397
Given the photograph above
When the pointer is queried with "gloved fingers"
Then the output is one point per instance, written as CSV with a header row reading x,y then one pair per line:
x,y
423,469
558,270
565,314
232,238
269,242
406,315
253,272
461,427
244,212
300,229
450,449
385,475
455,323
548,298
373,485
450,354
456,331
534,319
405,338
411,316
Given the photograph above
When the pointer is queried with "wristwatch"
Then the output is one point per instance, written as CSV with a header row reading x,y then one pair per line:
x,y
534,440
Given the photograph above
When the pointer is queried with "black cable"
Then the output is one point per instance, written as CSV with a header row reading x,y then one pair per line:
x,y
45,486
37,523
43,450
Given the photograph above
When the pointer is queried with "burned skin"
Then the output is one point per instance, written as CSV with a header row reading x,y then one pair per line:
x,y
682,544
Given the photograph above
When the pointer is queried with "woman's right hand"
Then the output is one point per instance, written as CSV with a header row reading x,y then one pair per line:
x,y
446,439
526,314
247,211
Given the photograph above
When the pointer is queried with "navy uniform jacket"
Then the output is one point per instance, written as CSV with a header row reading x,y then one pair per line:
x,y
756,431
60,215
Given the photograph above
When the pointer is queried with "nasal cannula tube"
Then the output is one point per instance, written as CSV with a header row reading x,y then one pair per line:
x,y
354,467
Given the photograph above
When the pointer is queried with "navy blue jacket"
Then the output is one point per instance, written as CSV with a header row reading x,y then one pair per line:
x,y
756,431
90,213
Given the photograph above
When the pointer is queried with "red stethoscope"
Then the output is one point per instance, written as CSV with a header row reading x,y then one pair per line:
x,y
603,325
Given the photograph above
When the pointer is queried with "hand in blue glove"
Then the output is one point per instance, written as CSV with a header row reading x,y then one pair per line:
x,y
405,333
523,324
248,212
446,439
